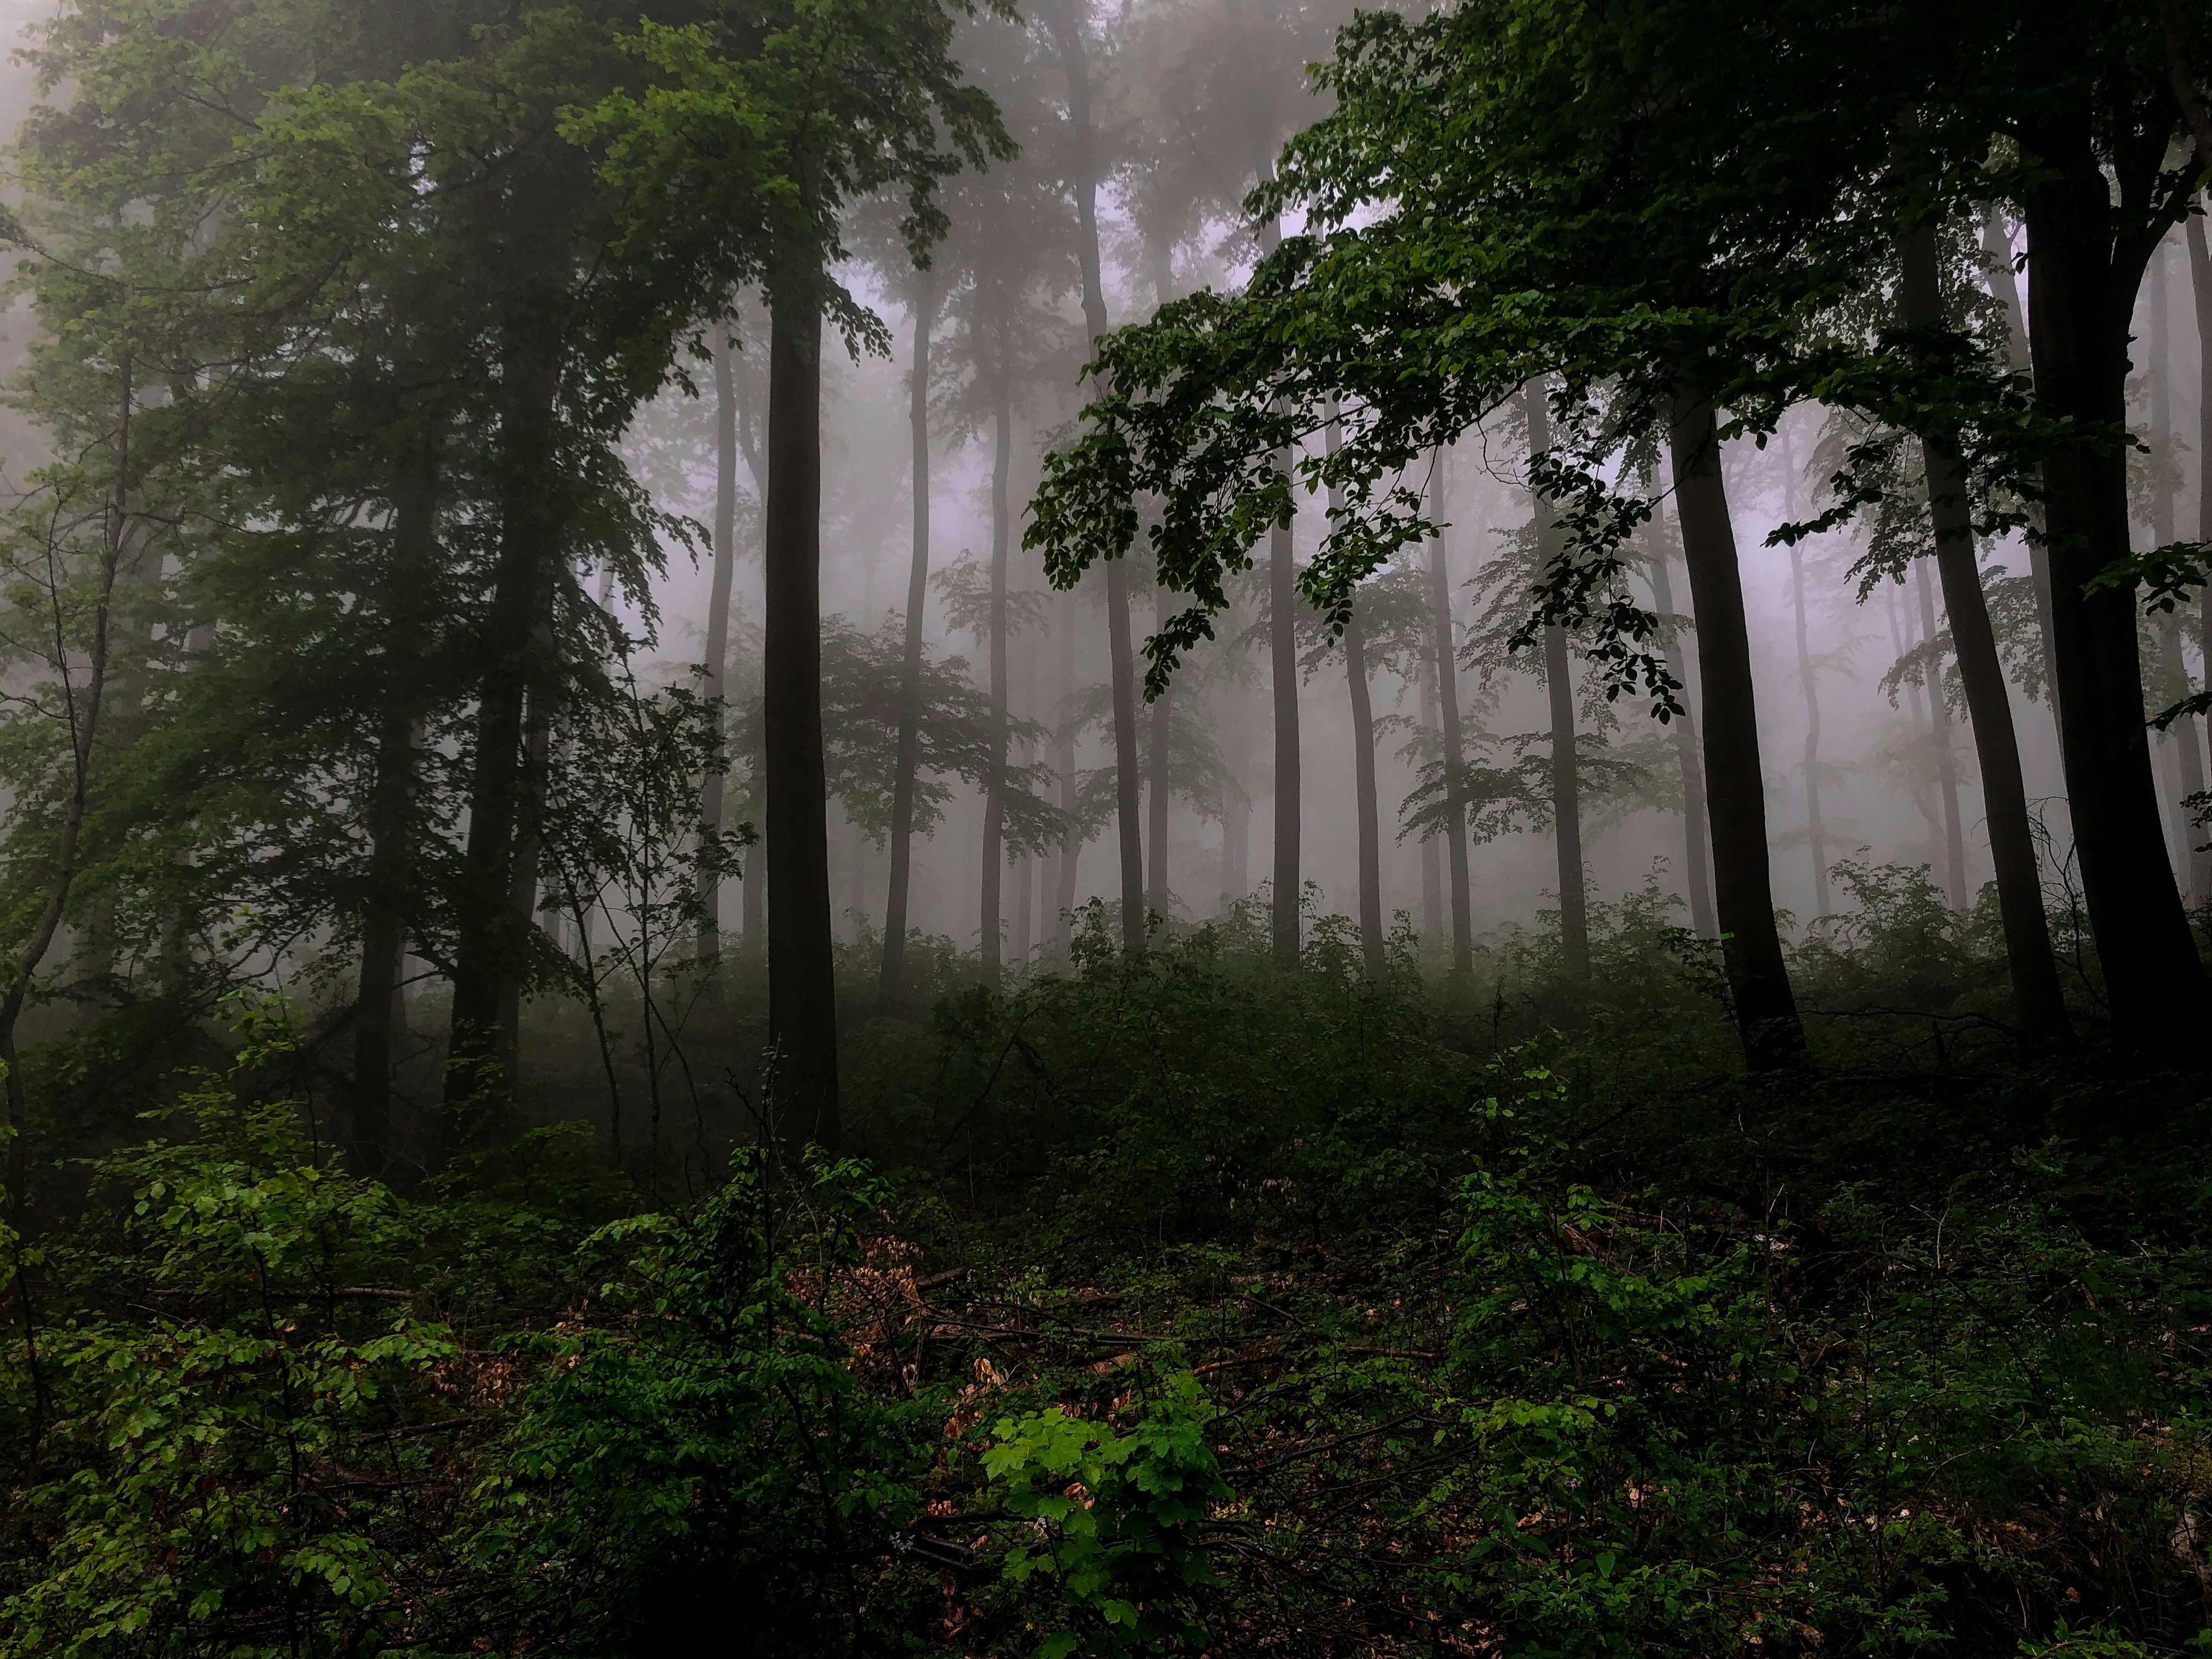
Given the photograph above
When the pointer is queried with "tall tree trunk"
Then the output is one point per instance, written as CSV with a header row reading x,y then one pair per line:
x,y
1282,672
2004,283
2199,281
1067,24
1443,659
891,987
1156,781
2182,735
391,809
1432,853
1071,845
802,988
2036,994
1815,828
493,943
718,629
1947,760
995,797
2080,298
1558,684
1697,868
1156,798
1366,808
1751,947
1809,686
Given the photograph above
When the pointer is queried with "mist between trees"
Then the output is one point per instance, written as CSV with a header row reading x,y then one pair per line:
x,y
744,745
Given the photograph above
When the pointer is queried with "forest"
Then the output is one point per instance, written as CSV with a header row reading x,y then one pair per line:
x,y
1207,828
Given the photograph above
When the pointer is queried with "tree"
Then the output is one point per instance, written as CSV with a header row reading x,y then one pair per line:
x,y
795,121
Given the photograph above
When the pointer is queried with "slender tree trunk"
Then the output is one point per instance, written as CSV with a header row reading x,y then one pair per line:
x,y
2041,1005
492,945
1558,684
2081,298
995,797
1366,808
390,808
1947,760
891,988
802,989
2004,284
1283,669
1444,661
2182,735
1751,946
1432,855
2200,276
1696,867
1816,830
1071,846
1156,781
1067,24
716,684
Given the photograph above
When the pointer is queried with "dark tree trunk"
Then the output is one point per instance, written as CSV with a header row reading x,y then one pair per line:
x,y
1751,947
1155,782
1128,768
2081,296
2004,283
390,819
2182,735
1283,669
717,679
1697,868
2200,276
995,797
1432,859
1067,24
1816,828
1071,846
891,988
802,989
1947,760
1443,661
2041,1005
492,947
1365,807
1558,684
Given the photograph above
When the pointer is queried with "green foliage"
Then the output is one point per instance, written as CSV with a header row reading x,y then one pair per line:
x,y
698,1439
231,1439
1118,1520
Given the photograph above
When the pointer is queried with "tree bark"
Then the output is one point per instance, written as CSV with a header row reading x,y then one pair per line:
x,y
891,987
390,808
1751,946
1558,684
2182,735
491,951
716,683
2200,285
2081,300
1433,858
995,797
1365,807
1156,781
1946,761
1444,661
1816,830
2036,994
1697,868
2004,283
1071,846
802,989
1067,24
